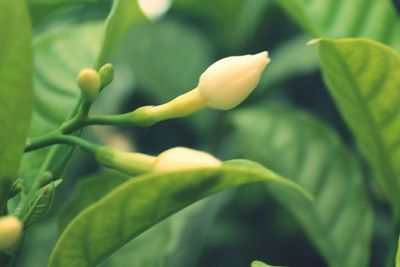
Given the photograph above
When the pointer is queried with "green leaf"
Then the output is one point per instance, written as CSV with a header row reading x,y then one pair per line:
x,y
376,20
15,89
300,147
398,254
260,264
123,15
57,2
172,242
363,78
138,204
89,190
175,242
41,9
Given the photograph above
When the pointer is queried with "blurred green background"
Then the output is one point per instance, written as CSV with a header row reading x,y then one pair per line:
x,y
159,60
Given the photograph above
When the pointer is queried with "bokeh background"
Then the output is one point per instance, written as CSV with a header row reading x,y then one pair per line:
x,y
161,59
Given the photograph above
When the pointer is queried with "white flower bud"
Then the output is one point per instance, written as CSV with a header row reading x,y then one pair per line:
x,y
180,158
10,231
89,82
227,82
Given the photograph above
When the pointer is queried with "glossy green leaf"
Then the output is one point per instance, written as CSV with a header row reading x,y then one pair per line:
x,y
123,15
138,204
87,191
300,147
377,20
15,89
260,264
363,78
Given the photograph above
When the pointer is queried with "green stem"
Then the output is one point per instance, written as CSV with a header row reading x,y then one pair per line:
x,y
5,186
41,142
78,120
121,119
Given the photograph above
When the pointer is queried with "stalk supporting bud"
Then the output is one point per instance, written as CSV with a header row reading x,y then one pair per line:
x,y
10,231
129,163
229,81
89,82
181,158
106,74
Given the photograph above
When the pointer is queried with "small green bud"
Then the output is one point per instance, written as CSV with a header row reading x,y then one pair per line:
x,y
10,231
106,74
89,82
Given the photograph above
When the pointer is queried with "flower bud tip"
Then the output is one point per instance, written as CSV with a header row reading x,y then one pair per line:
x,y
181,158
227,82
10,231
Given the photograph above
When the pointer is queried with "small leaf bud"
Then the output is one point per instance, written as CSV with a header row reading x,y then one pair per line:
x,y
106,74
89,82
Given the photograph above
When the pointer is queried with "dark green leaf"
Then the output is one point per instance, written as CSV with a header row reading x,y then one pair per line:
x,y
138,204
377,20
363,78
300,147
15,89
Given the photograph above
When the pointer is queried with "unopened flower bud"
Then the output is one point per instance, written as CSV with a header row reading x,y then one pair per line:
x,y
10,231
224,85
89,82
106,74
180,158
227,82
